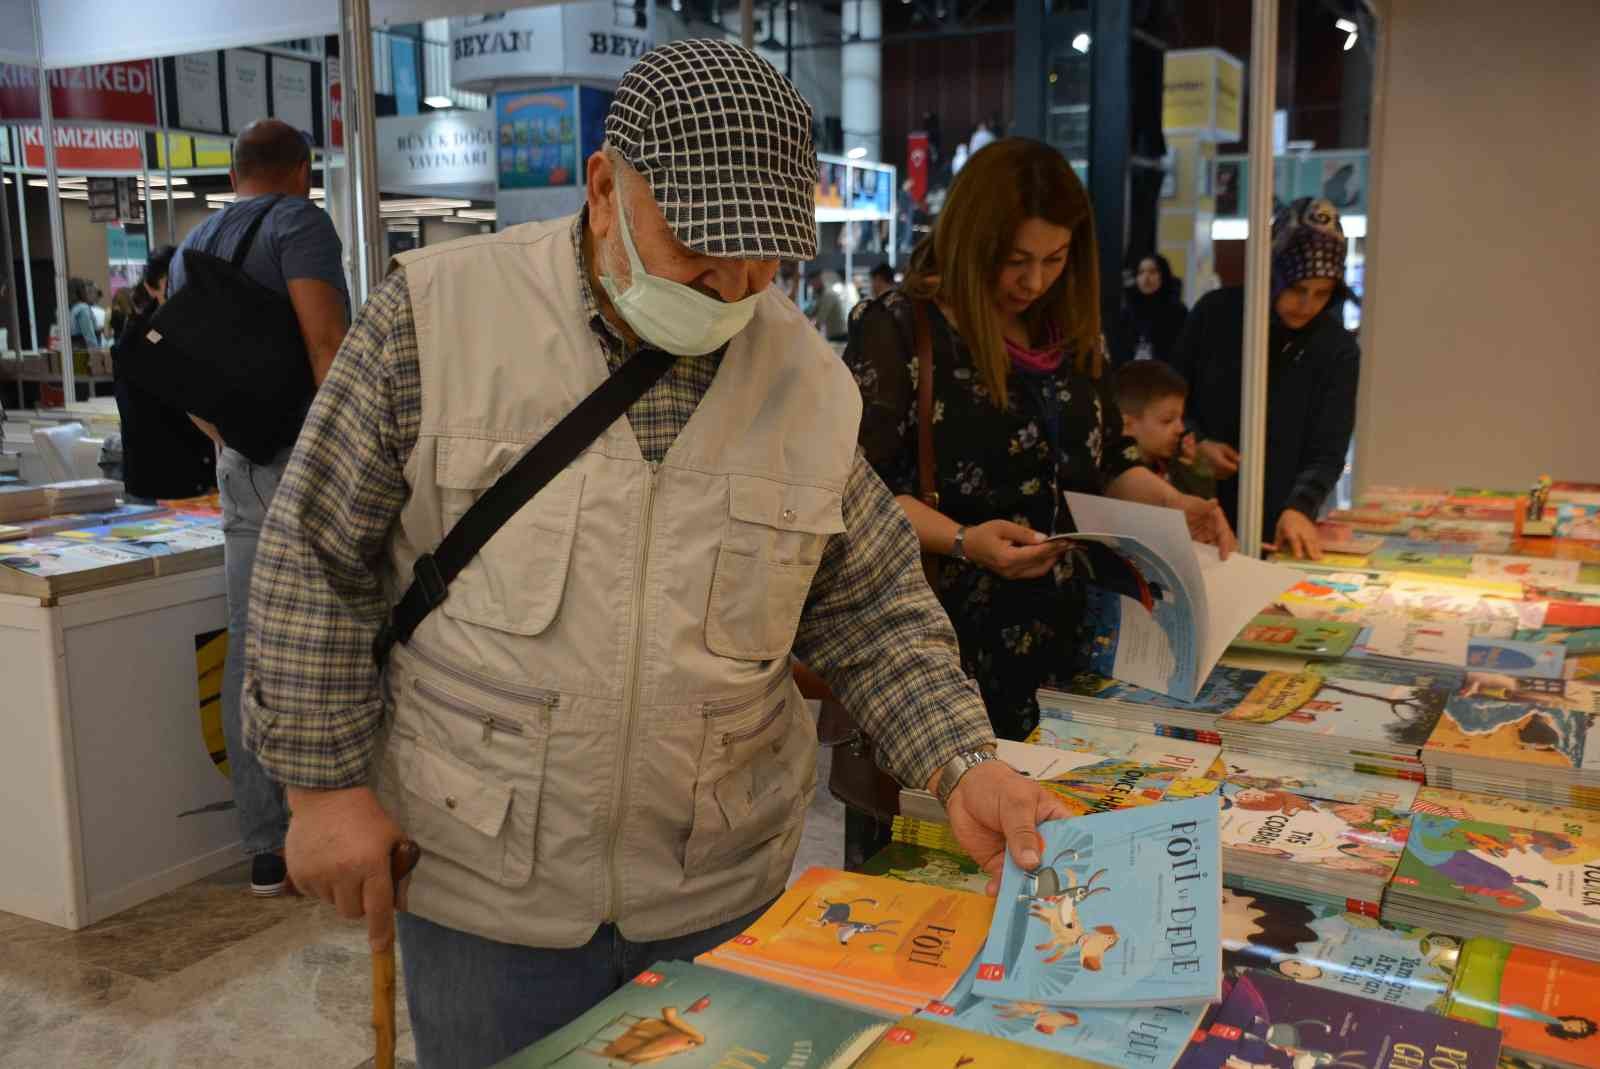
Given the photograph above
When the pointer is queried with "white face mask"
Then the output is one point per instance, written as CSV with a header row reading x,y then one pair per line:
x,y
670,315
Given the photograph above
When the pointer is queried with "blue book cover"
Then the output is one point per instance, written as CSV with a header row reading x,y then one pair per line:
x,y
1124,910
1140,1037
1225,688
1530,659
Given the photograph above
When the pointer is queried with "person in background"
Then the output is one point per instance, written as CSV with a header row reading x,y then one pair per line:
x,y
828,312
1151,397
1313,367
1152,314
1023,411
121,310
297,253
164,454
981,138
635,654
882,280
85,328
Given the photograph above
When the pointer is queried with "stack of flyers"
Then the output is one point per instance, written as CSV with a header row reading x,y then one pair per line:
x,y
1138,1037
1369,718
1124,910
1338,950
1547,1006
869,941
1520,736
1524,885
1341,852
924,1042
82,495
1268,1022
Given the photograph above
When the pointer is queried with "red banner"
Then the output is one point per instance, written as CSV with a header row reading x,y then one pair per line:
x,y
917,166
333,72
108,92
86,148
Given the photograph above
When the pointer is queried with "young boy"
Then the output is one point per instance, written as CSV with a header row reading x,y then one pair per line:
x,y
1151,396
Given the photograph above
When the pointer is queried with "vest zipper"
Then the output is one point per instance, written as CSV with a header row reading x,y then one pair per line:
x,y
730,737
738,705
544,696
491,723
630,698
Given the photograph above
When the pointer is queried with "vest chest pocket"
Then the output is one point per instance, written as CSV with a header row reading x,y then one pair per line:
x,y
773,544
515,582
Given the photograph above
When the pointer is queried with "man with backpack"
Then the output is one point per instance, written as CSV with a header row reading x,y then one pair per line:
x,y
294,251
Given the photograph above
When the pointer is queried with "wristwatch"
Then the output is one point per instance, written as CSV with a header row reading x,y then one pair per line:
x,y
957,767
958,548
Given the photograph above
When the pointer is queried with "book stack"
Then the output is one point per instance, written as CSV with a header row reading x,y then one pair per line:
x,y
1546,1006
82,495
1501,881
923,1042
1093,699
19,503
1338,854
867,941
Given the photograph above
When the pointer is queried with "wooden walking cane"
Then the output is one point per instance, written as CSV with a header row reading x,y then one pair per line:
x,y
402,859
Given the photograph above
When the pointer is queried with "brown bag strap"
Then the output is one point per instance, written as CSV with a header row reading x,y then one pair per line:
x,y
927,481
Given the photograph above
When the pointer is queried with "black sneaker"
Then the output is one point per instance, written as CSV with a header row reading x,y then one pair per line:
x,y
269,875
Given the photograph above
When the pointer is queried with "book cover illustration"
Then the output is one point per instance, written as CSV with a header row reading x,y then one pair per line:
x,y
63,556
1139,746
1111,784
886,934
1395,714
1347,597
1332,836
1319,781
1575,640
1502,869
1289,634
1511,657
1483,605
1492,809
1269,1022
1430,641
1222,690
1142,1037
1505,718
1519,569
1426,558
1123,910
929,865
927,1043
690,1017
1547,1006
1338,951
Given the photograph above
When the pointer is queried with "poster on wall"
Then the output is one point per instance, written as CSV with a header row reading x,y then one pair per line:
x,y
197,83
246,83
333,71
291,93
538,138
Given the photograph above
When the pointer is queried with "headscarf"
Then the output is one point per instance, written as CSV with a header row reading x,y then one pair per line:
x,y
1307,242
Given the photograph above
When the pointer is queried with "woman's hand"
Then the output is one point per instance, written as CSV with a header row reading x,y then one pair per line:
x,y
1207,524
1297,534
1221,458
1011,550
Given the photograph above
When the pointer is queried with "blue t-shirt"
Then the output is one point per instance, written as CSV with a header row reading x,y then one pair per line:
x,y
297,240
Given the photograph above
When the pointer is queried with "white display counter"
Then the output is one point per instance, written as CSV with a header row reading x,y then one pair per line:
x,y
109,793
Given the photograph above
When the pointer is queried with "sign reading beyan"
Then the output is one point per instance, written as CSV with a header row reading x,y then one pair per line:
x,y
454,148
597,39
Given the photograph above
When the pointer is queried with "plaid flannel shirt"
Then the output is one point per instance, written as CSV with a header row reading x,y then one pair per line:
x,y
313,705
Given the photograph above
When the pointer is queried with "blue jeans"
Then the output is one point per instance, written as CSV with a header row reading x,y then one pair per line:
x,y
475,1002
246,490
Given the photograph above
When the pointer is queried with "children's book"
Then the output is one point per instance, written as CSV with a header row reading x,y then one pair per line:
x,y
1337,950
1518,569
880,934
1287,634
1317,781
1143,1037
1523,721
1492,809
1347,597
1138,746
1331,837
1268,1022
1546,1006
1574,640
1405,496
1510,657
1429,641
1343,539
1392,715
1500,869
698,1018
1168,607
1377,519
45,567
1122,911
1222,690
928,1043
927,865
1427,558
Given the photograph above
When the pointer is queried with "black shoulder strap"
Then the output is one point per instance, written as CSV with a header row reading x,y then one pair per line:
x,y
544,460
249,238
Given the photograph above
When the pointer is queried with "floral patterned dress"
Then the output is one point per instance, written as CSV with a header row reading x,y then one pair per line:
x,y
1059,431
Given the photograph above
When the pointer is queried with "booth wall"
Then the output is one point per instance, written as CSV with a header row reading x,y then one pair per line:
x,y
1479,356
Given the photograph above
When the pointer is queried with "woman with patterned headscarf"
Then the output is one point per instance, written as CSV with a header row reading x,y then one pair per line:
x,y
1313,363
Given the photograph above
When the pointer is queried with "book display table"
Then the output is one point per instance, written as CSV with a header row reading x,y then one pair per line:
x,y
112,770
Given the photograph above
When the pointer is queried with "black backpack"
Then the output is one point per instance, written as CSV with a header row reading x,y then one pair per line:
x,y
229,350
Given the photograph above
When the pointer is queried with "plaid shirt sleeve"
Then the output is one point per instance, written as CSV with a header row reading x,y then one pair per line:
x,y
875,632
312,706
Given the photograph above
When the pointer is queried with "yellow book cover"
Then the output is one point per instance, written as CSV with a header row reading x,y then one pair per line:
x,y
874,932
1491,809
926,833
1275,697
923,1043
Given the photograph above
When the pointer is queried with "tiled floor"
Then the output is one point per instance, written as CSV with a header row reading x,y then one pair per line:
x,y
209,976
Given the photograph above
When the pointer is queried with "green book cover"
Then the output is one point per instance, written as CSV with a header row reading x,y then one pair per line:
x,y
690,1017
1289,634
929,865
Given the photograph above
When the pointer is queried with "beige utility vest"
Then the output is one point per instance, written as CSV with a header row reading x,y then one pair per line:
x,y
599,722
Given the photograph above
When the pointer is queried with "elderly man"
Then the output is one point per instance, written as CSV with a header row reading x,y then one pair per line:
x,y
595,737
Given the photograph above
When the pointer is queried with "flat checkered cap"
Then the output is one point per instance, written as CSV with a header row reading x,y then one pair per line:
x,y
725,142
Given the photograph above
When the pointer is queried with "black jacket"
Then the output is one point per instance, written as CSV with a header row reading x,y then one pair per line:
x,y
1311,399
1158,319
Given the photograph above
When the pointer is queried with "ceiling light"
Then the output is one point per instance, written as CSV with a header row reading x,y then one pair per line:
x,y
1080,43
1346,25
1349,42
161,180
438,100
857,153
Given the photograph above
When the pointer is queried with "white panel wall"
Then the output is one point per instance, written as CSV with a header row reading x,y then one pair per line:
x,y
16,32
1481,336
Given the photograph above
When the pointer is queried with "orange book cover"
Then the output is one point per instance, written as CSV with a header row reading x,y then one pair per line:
x,y
873,932
1547,1006
811,985
922,1043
